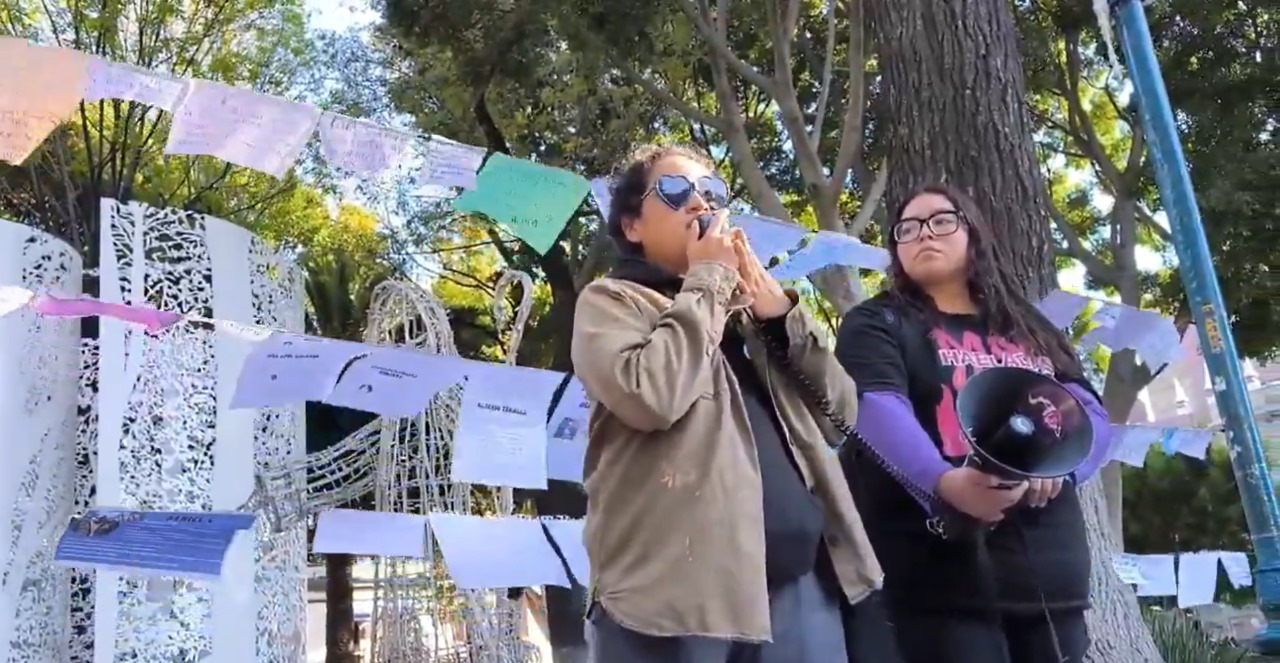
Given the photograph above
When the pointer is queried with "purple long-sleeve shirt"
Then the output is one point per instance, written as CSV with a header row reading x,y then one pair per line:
x,y
887,422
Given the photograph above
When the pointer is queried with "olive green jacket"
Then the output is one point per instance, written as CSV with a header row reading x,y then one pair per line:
x,y
675,523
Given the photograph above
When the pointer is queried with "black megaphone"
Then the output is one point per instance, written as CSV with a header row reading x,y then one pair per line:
x,y
1023,425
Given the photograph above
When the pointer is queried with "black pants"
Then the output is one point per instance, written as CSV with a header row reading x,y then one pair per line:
x,y
810,625
1008,639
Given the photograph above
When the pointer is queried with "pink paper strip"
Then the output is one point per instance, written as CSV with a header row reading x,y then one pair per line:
x,y
154,320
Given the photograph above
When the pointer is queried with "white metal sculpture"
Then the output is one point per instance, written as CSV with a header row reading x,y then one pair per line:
x,y
167,438
39,379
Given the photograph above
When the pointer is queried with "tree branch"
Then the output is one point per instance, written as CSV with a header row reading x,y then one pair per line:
x,y
1149,221
828,65
851,137
1079,119
716,37
1076,248
871,200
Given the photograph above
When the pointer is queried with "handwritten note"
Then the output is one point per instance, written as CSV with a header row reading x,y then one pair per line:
x,y
1128,568
359,146
501,438
396,382
248,129
111,80
39,89
531,200
496,553
449,163
291,368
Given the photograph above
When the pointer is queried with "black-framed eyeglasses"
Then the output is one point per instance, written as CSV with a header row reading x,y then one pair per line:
x,y
677,190
940,224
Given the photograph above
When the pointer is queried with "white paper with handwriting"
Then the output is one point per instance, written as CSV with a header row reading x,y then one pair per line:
x,y
248,129
501,438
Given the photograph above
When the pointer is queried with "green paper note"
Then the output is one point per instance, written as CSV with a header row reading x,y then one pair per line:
x,y
532,201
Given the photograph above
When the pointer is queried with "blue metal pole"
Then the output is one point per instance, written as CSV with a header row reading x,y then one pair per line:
x,y
1248,459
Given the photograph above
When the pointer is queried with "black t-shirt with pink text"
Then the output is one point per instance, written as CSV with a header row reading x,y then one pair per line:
x,y
1037,557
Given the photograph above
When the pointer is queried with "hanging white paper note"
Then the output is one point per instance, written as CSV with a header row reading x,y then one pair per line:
x,y
567,434
291,368
450,163
568,537
1133,442
768,237
1191,442
373,533
1108,315
1159,572
496,553
501,438
1062,307
1128,569
1236,564
112,80
1197,578
828,248
13,298
40,88
1160,345
359,146
396,382
601,196
248,129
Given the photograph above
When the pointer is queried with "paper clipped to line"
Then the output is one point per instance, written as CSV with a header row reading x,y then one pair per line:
x,y
370,533
171,543
496,553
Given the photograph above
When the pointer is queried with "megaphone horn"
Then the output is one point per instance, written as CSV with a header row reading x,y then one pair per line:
x,y
1023,425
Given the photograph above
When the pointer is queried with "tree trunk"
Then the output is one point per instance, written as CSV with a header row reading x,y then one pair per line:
x,y
955,96
340,613
1124,380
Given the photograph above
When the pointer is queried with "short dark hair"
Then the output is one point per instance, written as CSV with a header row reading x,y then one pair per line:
x,y
631,182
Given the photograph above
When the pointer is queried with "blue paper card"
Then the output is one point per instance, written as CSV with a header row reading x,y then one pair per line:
x,y
179,543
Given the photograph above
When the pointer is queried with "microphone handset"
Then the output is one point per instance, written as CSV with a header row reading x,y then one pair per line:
x,y
704,223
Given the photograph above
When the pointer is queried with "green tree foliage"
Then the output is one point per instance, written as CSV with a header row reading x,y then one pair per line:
x,y
114,148
1218,60
1178,504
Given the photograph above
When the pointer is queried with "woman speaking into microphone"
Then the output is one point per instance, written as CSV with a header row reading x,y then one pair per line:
x,y
1018,594
719,526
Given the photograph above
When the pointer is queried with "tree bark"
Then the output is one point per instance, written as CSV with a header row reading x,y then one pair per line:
x,y
955,95
339,618
956,114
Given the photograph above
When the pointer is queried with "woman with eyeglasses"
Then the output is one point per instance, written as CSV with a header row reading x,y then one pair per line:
x,y
719,526
950,311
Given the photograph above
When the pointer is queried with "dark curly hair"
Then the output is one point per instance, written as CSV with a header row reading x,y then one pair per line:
x,y
995,292
631,181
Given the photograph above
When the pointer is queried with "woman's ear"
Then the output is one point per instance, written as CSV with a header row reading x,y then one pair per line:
x,y
630,229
